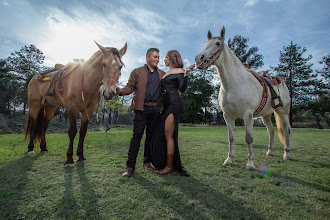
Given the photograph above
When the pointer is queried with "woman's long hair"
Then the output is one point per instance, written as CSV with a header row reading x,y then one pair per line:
x,y
175,58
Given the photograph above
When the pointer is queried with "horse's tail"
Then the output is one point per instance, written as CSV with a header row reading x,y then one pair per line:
x,y
34,126
279,123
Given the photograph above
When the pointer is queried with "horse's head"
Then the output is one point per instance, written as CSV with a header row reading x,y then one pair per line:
x,y
112,65
211,51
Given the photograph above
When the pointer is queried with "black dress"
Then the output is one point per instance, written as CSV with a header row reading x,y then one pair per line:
x,y
171,85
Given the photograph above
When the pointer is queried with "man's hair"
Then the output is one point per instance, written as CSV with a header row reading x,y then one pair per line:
x,y
151,50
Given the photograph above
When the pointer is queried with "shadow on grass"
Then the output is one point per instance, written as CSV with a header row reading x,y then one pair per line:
x,y
13,180
187,201
89,197
69,207
283,178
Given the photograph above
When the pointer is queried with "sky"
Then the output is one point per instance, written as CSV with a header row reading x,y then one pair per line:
x,y
66,29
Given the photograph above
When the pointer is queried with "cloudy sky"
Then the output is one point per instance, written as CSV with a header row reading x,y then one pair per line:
x,y
66,29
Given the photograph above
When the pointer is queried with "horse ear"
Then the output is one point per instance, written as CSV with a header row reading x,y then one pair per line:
x,y
209,35
102,49
123,50
222,33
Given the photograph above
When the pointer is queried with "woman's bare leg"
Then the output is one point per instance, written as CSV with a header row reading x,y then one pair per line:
x,y
169,131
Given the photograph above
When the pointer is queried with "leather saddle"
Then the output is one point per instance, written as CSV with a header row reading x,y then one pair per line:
x,y
270,81
56,74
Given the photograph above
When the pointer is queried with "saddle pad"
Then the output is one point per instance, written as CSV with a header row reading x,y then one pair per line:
x,y
47,75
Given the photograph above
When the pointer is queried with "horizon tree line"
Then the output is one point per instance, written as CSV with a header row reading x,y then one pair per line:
x,y
309,90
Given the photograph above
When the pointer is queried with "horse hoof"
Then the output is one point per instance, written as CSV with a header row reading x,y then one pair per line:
x,y
82,161
44,151
227,163
251,168
269,154
69,165
30,153
287,157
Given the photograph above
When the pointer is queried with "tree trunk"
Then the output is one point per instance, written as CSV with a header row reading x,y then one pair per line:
x,y
204,114
318,120
9,113
24,108
291,92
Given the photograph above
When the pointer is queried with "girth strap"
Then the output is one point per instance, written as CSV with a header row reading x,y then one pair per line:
x,y
264,81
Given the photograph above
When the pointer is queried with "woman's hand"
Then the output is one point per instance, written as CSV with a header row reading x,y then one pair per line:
x,y
190,68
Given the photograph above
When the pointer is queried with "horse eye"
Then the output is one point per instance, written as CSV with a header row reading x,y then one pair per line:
x,y
104,64
218,43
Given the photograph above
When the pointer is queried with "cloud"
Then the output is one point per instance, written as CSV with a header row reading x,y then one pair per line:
x,y
318,55
72,35
254,2
186,63
251,2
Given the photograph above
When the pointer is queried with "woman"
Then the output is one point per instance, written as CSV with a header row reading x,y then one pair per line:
x,y
164,144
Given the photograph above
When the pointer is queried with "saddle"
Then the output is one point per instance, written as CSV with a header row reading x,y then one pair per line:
x,y
270,81
56,74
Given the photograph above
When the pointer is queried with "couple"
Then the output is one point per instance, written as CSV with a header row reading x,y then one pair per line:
x,y
153,88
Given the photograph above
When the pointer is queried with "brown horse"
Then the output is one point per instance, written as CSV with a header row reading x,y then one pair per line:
x,y
78,92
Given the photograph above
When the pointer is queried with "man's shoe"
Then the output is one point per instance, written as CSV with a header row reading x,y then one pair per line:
x,y
128,172
147,166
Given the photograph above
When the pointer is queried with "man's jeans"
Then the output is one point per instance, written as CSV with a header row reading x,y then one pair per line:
x,y
143,119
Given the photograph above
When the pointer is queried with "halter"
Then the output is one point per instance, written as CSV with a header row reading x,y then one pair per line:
x,y
215,54
115,52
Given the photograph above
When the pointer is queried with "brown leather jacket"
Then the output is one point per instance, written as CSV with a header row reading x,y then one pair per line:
x,y
137,83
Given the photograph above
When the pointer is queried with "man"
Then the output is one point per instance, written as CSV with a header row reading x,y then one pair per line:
x,y
145,83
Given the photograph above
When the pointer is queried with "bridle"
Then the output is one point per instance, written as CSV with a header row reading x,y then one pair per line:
x,y
217,54
82,87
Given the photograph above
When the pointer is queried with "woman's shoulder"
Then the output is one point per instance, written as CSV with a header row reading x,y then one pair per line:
x,y
175,71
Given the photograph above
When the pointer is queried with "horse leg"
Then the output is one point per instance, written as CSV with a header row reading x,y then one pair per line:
x,y
283,127
270,128
32,124
248,121
72,134
231,137
44,125
34,115
82,134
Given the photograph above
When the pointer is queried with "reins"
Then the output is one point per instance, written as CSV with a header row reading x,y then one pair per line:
x,y
83,97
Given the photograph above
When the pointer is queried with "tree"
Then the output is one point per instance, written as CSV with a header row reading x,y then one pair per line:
x,y
197,97
298,75
319,107
25,63
248,56
8,92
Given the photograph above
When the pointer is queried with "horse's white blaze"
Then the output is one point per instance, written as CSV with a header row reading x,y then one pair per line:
x,y
240,95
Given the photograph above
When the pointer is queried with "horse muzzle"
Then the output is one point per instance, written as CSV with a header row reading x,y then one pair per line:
x,y
200,62
108,94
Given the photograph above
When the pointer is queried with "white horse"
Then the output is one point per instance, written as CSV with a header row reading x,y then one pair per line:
x,y
242,96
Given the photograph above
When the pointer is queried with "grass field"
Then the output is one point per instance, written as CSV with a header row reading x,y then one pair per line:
x,y
39,187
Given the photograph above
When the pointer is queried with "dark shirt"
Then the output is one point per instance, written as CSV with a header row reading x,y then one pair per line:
x,y
153,87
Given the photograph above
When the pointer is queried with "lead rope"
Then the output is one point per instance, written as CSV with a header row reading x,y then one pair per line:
x,y
83,98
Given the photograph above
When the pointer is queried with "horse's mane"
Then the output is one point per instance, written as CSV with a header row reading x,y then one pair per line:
x,y
110,49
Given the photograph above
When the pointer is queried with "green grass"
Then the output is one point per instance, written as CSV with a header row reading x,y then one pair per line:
x,y
39,187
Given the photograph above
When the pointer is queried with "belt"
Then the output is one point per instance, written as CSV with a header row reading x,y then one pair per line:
x,y
152,103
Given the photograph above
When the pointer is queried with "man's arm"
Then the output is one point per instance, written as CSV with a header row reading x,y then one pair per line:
x,y
130,86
